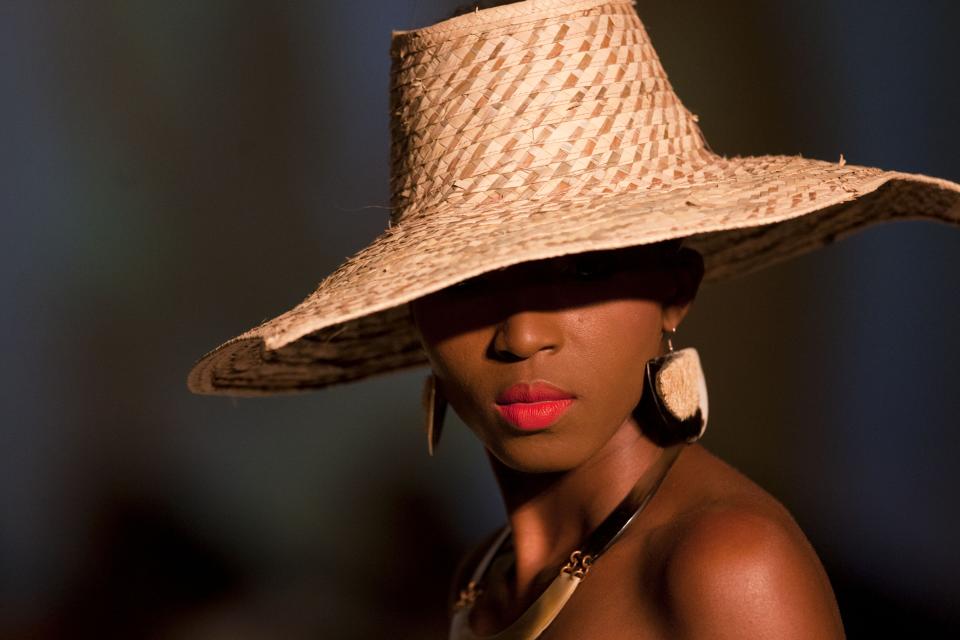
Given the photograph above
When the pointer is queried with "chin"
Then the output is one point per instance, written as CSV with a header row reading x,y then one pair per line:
x,y
539,453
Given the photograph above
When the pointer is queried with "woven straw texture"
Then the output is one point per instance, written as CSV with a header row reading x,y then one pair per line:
x,y
535,130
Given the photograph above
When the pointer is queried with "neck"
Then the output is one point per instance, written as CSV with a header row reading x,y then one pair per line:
x,y
551,514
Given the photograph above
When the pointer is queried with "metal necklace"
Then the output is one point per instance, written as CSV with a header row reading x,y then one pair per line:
x,y
542,612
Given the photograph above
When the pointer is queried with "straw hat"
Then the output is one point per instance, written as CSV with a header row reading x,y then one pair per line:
x,y
534,130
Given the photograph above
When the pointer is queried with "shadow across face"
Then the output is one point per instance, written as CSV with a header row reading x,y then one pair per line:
x,y
663,272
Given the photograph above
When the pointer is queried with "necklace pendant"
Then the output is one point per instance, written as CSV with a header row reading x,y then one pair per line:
x,y
578,565
468,596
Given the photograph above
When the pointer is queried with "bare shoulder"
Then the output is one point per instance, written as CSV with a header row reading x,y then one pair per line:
x,y
738,566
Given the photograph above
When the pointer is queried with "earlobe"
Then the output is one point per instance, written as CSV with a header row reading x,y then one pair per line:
x,y
673,315
687,275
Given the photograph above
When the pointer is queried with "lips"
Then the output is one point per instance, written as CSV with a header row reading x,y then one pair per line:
x,y
534,406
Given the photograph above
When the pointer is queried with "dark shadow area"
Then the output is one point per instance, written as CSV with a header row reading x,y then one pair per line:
x,y
868,612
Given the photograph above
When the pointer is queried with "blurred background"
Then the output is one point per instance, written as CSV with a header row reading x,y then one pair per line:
x,y
172,173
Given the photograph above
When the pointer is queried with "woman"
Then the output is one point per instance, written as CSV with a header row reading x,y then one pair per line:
x,y
543,175
713,554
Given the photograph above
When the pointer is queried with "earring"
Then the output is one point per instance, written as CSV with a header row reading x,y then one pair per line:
x,y
674,404
435,406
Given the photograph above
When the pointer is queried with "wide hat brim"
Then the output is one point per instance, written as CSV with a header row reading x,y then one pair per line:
x,y
741,214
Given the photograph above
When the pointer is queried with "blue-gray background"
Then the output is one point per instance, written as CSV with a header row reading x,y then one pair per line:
x,y
172,173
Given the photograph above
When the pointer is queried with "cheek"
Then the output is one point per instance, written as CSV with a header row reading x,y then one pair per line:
x,y
447,343
617,339
456,350
453,358
620,333
458,363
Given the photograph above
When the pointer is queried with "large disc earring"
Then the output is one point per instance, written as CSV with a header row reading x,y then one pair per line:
x,y
435,407
674,406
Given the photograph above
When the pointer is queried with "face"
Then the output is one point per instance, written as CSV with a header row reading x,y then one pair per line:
x,y
544,361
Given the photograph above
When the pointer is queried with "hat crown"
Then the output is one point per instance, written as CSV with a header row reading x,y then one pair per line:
x,y
534,100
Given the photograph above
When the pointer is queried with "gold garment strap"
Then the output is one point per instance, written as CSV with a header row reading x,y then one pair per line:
x,y
547,607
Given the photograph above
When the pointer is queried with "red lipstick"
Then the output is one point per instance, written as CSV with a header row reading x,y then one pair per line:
x,y
533,406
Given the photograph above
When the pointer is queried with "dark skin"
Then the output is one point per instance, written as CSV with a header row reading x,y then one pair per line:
x,y
712,556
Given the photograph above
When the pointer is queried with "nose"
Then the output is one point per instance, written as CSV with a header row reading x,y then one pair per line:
x,y
523,334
